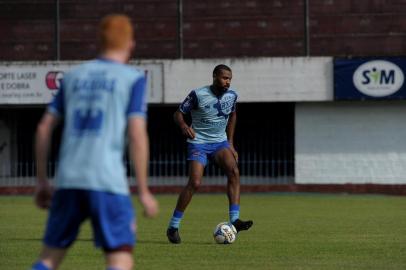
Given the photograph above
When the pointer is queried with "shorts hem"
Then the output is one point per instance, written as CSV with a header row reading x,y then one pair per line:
x,y
123,248
198,160
223,147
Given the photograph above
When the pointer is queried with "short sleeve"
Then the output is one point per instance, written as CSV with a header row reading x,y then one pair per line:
x,y
189,103
138,105
57,105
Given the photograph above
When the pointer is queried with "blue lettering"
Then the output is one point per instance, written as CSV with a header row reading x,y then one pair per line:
x,y
93,85
87,121
226,105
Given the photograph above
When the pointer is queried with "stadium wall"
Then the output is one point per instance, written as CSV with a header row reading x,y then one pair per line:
x,y
336,143
350,142
265,79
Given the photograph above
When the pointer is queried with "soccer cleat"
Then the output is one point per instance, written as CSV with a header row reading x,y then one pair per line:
x,y
173,235
242,225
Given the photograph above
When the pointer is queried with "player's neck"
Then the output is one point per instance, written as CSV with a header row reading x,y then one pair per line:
x,y
217,90
117,56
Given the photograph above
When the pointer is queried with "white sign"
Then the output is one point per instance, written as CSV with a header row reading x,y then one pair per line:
x,y
378,78
37,83
264,79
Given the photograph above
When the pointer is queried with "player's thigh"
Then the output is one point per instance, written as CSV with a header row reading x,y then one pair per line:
x,y
66,215
225,159
113,221
198,153
196,170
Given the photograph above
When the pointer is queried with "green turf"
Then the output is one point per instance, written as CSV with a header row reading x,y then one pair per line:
x,y
290,232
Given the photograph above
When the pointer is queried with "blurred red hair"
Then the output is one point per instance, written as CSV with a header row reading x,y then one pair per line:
x,y
115,32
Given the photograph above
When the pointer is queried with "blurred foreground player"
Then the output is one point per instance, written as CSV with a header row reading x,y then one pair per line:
x,y
99,101
213,111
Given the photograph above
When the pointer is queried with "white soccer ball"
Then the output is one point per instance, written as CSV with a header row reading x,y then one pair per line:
x,y
225,233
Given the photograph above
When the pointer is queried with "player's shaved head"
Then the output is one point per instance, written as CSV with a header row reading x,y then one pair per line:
x,y
115,32
222,76
219,68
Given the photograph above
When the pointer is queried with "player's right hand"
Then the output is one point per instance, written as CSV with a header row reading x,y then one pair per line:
x,y
43,194
150,204
188,132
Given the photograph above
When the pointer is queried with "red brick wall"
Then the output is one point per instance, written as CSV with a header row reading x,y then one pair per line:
x,y
155,24
359,28
230,28
227,28
26,30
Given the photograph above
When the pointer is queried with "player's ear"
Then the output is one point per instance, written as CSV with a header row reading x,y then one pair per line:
x,y
132,46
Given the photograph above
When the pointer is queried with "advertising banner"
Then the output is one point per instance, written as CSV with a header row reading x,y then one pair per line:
x,y
37,83
370,78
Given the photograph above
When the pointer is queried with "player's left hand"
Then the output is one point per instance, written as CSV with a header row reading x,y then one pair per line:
x,y
43,194
234,152
150,204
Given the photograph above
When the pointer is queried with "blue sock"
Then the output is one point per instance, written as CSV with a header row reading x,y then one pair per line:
x,y
176,218
234,212
40,266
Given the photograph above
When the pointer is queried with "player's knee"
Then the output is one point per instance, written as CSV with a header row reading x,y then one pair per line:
x,y
127,267
233,172
120,258
195,184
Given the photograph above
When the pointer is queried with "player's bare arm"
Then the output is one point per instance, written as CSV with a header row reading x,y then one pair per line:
x,y
139,150
43,137
184,127
232,120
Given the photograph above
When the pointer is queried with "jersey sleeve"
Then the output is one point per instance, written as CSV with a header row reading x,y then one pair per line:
x,y
137,106
189,103
57,105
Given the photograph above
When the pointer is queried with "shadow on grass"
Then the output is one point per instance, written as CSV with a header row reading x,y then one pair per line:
x,y
41,239
153,242
22,239
161,242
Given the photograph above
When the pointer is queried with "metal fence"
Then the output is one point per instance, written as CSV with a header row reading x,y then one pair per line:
x,y
264,139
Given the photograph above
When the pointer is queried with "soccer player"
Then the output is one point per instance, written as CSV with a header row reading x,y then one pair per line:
x,y
99,101
213,111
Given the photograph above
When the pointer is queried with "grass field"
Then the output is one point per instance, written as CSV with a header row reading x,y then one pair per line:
x,y
305,231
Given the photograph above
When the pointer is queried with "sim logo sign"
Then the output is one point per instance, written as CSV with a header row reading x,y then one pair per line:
x,y
361,79
378,78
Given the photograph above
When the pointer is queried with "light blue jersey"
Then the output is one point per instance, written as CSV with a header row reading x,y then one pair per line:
x,y
209,114
96,99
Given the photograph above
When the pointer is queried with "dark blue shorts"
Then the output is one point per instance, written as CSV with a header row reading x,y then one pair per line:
x,y
111,215
202,151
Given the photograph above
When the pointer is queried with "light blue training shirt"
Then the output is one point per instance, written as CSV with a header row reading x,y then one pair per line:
x,y
96,100
209,114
